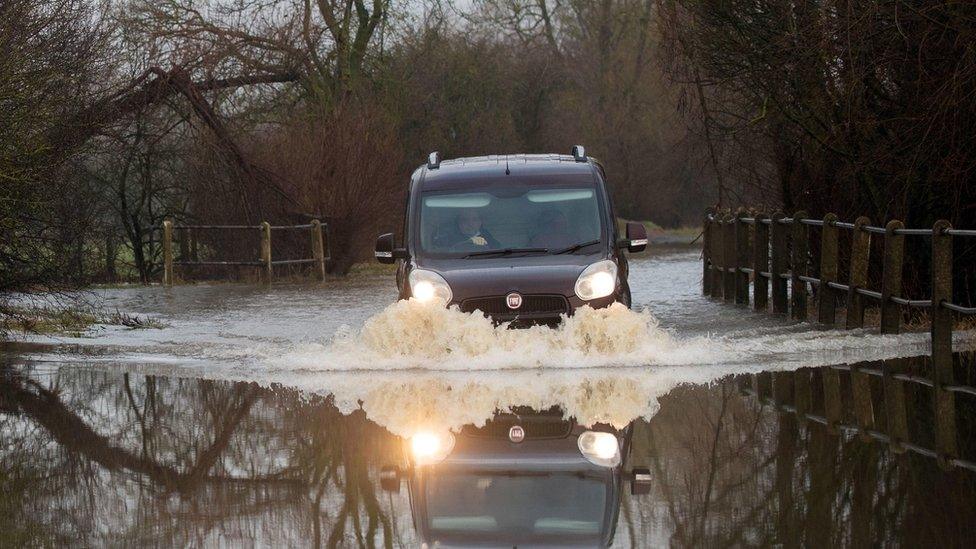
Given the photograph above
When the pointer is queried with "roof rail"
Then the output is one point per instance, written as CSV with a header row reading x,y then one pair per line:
x,y
579,153
434,161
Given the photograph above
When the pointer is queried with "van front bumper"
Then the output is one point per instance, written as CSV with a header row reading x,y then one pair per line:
x,y
548,309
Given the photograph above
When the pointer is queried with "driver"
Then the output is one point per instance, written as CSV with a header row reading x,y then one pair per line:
x,y
466,231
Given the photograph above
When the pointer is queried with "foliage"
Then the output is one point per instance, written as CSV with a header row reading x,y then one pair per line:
x,y
48,61
118,115
856,108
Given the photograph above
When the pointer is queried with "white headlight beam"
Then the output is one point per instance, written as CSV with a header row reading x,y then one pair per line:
x,y
427,286
597,280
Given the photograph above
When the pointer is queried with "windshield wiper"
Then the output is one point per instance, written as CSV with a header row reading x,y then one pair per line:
x,y
508,251
576,247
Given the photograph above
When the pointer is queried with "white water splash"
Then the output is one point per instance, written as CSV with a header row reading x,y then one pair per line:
x,y
423,400
414,335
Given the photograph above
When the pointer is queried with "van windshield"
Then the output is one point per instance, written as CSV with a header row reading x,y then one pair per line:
x,y
518,218
531,508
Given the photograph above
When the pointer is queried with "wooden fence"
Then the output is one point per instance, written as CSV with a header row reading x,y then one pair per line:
x,y
771,253
265,262
872,400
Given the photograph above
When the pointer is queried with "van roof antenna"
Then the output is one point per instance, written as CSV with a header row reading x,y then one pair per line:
x,y
507,172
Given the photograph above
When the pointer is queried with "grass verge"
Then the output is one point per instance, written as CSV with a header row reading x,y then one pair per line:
x,y
66,321
658,234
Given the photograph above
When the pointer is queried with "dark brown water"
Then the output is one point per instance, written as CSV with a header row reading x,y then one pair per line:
x,y
108,458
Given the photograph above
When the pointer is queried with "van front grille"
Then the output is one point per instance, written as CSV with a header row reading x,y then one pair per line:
x,y
531,305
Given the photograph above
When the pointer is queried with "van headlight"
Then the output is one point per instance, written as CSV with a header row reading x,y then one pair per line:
x,y
596,281
429,448
600,448
428,285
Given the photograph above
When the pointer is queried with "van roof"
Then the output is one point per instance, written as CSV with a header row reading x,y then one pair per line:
x,y
539,167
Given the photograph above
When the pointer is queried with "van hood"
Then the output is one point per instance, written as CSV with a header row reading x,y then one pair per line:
x,y
533,274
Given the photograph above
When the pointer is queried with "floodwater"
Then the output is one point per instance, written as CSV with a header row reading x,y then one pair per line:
x,y
322,415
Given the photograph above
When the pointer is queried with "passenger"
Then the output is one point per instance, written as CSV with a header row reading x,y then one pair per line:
x,y
553,232
466,232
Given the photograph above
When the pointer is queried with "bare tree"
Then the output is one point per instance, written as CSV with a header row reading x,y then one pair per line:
x,y
853,108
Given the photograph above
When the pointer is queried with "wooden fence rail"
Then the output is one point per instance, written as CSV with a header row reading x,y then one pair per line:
x,y
316,244
779,262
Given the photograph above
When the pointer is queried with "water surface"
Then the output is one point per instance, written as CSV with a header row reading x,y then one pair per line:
x,y
211,327
95,458
269,416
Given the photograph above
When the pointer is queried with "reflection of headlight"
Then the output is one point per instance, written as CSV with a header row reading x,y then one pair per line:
x,y
597,280
430,448
427,285
600,448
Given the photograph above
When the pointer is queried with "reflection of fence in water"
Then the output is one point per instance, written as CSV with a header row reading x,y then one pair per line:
x,y
189,252
879,401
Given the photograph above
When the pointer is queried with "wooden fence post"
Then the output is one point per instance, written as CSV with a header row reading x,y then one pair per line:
x,y
863,402
318,250
167,253
327,242
832,399
783,388
707,259
896,413
194,243
802,394
894,252
760,263
741,259
744,383
764,386
942,374
718,259
267,270
728,256
798,292
860,254
780,261
754,383
184,244
826,296
714,256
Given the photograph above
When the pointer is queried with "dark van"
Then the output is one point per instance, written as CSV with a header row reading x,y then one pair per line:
x,y
525,479
517,237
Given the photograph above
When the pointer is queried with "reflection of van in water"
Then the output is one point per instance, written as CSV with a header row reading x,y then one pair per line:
x,y
521,237
522,480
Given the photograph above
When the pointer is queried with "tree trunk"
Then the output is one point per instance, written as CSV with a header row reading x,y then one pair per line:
x,y
111,254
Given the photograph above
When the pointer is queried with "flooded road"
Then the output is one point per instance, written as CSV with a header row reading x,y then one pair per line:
x,y
327,415
211,329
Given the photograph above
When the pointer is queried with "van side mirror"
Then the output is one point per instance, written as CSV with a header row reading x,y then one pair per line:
x,y
390,478
640,481
636,237
385,252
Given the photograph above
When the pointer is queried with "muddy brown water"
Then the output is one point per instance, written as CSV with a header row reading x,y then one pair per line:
x,y
264,417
